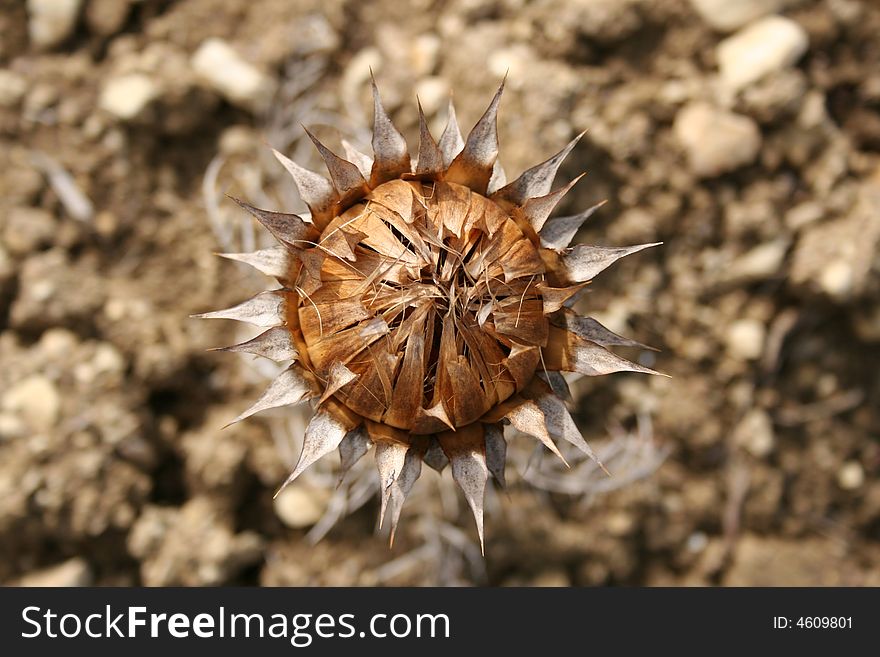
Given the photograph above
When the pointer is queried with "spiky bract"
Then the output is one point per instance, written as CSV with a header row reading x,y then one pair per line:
x,y
424,306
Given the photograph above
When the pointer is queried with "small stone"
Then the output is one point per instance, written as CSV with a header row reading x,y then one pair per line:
x,y
836,279
12,88
106,17
106,360
513,61
851,476
620,524
191,545
236,79
27,229
803,215
301,505
771,44
835,257
755,434
715,140
36,400
238,140
697,542
762,262
75,572
51,21
607,21
728,15
57,343
11,427
53,291
126,96
423,54
745,339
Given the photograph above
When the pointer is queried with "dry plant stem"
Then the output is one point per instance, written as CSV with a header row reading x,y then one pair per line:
x,y
425,305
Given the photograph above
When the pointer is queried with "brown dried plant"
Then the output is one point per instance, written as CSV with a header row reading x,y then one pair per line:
x,y
426,305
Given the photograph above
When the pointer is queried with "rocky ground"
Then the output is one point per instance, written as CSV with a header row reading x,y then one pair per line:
x,y
745,135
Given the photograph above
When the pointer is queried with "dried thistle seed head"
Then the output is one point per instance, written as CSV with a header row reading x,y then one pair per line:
x,y
424,306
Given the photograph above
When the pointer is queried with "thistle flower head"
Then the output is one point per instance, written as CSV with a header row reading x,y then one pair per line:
x,y
423,306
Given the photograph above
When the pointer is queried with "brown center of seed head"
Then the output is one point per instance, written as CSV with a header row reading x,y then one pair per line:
x,y
429,311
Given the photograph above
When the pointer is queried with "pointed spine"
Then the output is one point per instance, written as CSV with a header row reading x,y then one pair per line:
x,y
287,228
537,181
451,141
529,419
362,161
569,352
390,457
290,387
347,179
496,452
592,330
430,160
473,166
323,434
353,447
585,262
466,451
275,261
409,474
265,309
537,210
314,189
558,232
390,154
275,344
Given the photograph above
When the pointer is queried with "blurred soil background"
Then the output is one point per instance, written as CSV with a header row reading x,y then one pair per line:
x,y
744,134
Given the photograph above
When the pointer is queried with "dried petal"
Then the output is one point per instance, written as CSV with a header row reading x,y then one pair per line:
x,y
338,376
554,298
498,179
557,383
